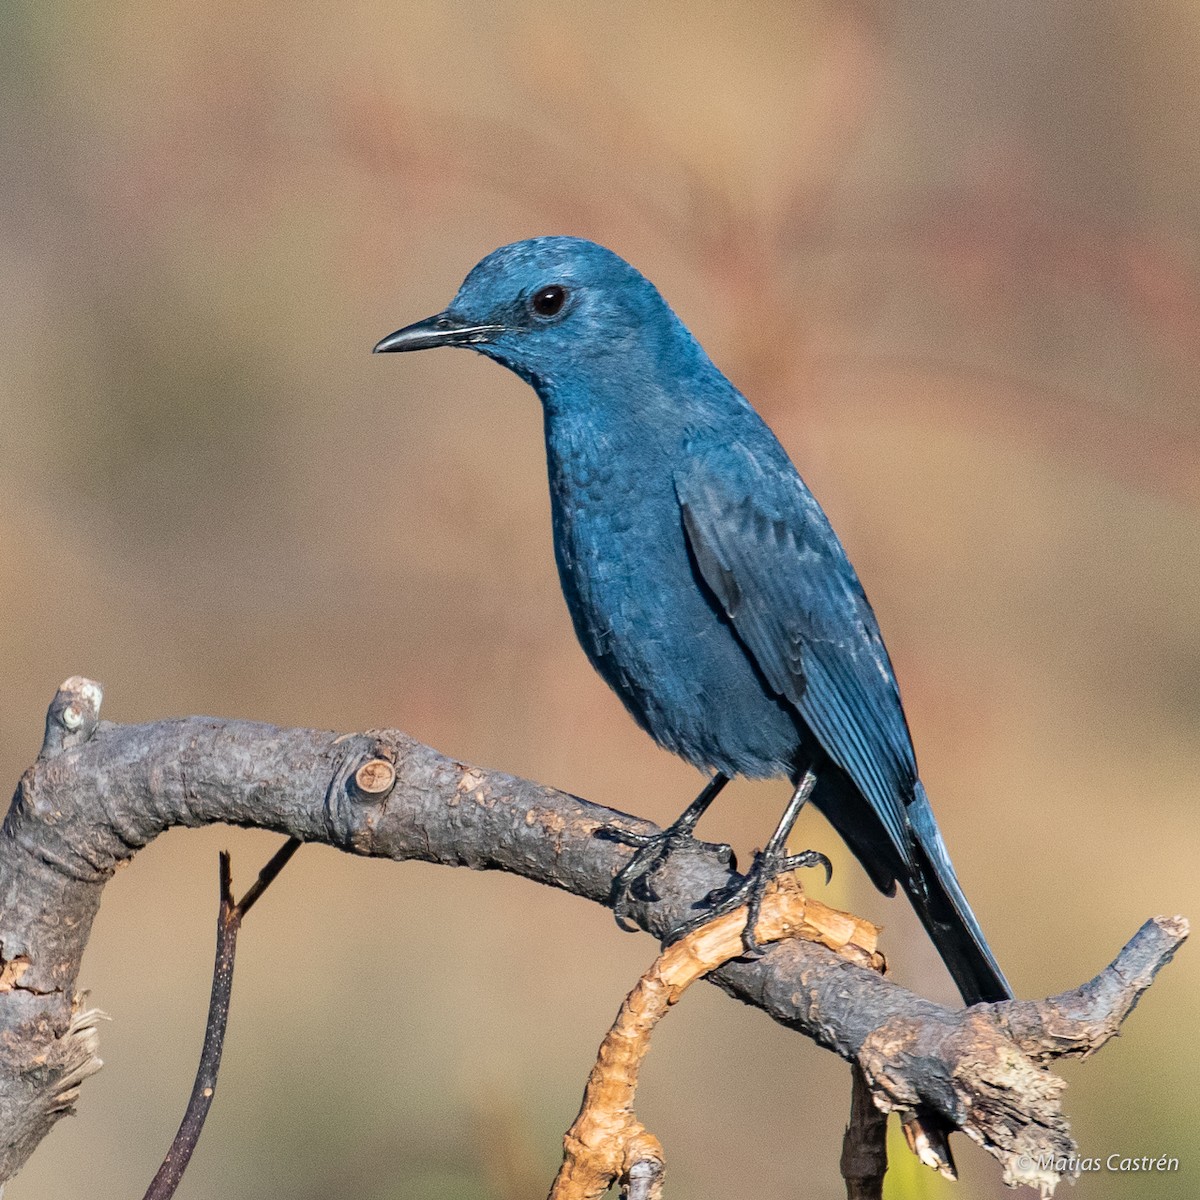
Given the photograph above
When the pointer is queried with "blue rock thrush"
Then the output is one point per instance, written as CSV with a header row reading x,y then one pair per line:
x,y
704,580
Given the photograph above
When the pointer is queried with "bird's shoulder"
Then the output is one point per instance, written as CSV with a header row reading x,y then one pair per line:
x,y
746,505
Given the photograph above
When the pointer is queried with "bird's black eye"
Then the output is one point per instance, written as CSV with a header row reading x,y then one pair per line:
x,y
548,301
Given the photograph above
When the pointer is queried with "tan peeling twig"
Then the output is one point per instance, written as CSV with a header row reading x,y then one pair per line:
x,y
607,1143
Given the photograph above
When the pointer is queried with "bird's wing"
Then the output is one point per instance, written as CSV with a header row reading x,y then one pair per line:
x,y
767,552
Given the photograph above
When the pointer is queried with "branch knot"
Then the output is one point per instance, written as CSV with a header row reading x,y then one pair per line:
x,y
72,717
363,778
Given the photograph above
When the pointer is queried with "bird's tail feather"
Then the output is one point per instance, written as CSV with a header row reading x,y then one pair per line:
x,y
925,872
938,900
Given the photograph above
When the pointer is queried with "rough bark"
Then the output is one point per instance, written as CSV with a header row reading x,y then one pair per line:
x,y
98,792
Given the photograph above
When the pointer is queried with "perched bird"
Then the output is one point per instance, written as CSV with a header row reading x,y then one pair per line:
x,y
704,580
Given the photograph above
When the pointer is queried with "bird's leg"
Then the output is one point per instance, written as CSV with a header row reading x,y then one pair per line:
x,y
772,860
653,848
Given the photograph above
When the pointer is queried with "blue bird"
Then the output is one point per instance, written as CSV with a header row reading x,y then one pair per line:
x,y
705,582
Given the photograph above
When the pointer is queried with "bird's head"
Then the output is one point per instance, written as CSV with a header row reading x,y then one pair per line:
x,y
561,312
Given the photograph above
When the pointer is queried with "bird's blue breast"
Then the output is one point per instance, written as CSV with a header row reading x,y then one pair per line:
x,y
643,616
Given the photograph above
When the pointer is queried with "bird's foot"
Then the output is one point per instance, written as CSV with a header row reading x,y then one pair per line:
x,y
749,891
633,881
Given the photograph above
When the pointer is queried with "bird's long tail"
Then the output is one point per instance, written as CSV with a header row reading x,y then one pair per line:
x,y
924,870
939,901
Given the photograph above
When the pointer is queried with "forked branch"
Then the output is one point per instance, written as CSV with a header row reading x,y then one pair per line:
x,y
229,921
99,792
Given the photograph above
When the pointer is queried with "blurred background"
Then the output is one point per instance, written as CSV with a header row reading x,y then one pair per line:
x,y
951,252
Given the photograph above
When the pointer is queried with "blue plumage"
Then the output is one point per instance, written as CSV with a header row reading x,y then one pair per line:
x,y
704,581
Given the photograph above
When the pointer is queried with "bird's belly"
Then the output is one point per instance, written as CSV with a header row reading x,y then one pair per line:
x,y
651,629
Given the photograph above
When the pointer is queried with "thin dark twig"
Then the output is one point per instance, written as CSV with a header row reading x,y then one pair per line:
x,y
267,875
229,921
175,1163
864,1145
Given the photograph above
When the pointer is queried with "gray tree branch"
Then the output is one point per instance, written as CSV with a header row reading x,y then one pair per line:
x,y
98,792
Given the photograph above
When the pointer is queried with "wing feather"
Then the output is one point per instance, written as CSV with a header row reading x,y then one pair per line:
x,y
765,549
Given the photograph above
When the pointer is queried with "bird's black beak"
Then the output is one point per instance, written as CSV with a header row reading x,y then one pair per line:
x,y
440,330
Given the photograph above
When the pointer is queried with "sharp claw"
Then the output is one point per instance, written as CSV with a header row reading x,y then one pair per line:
x,y
819,860
807,858
624,923
622,893
750,944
